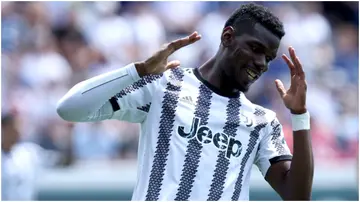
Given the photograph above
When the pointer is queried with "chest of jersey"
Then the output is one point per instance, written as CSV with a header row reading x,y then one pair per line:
x,y
217,123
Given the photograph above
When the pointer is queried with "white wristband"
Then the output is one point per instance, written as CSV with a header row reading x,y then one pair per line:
x,y
300,121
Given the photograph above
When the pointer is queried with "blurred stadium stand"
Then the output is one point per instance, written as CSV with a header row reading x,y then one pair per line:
x,y
47,47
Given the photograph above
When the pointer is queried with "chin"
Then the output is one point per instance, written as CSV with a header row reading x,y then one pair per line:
x,y
243,88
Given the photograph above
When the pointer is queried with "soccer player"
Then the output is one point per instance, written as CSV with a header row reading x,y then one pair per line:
x,y
22,162
200,135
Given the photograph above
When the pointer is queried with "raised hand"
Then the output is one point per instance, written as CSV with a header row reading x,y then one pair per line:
x,y
295,97
158,63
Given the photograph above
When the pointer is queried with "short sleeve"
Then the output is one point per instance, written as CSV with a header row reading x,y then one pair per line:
x,y
272,147
133,103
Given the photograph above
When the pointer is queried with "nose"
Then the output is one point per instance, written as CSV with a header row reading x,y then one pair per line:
x,y
260,62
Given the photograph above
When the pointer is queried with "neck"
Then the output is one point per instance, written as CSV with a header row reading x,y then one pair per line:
x,y
212,72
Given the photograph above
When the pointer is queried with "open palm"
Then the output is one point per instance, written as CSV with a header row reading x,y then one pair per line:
x,y
158,63
295,97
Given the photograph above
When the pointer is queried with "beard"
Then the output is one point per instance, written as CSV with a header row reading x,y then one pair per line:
x,y
240,82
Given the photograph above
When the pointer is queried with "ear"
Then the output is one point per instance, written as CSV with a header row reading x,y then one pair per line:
x,y
227,36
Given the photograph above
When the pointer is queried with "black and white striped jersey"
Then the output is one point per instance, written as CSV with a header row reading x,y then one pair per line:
x,y
197,143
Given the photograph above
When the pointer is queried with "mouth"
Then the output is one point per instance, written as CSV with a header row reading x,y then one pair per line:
x,y
252,75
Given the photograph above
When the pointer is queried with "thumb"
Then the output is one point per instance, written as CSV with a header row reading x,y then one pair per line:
x,y
280,87
172,64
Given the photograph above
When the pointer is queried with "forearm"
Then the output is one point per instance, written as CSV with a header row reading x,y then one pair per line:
x,y
300,177
87,97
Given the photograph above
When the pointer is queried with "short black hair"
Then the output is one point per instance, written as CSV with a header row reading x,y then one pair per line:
x,y
255,13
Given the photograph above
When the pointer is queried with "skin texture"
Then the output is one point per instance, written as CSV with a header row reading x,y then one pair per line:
x,y
252,50
229,69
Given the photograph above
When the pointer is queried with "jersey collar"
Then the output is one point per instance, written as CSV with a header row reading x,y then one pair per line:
x,y
213,88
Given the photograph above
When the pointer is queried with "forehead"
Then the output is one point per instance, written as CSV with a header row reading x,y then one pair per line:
x,y
262,34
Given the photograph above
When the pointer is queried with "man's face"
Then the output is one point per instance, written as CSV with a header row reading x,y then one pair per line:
x,y
247,56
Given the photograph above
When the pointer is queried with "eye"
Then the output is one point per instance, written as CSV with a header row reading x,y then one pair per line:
x,y
254,48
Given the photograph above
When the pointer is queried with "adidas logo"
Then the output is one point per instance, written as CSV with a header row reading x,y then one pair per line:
x,y
187,99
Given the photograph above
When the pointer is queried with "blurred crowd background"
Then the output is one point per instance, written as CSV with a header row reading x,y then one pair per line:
x,y
47,47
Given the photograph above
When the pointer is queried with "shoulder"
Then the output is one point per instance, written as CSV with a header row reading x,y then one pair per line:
x,y
171,75
148,79
37,154
269,118
27,147
263,116
26,150
268,114
177,75
148,82
260,113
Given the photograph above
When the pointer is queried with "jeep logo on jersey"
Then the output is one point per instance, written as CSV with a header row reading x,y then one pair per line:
x,y
205,135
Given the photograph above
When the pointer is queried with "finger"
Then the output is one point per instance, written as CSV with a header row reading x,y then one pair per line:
x,y
280,87
292,55
180,43
194,36
292,71
297,63
290,65
300,69
172,64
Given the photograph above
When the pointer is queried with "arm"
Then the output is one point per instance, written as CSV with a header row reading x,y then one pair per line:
x,y
120,94
293,181
90,100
